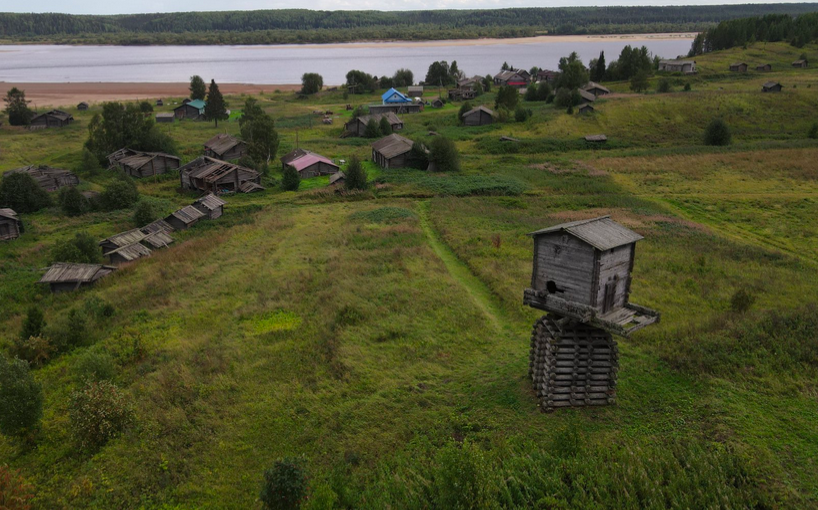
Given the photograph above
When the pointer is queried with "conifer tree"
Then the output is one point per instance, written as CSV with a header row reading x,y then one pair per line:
x,y
355,174
216,107
290,180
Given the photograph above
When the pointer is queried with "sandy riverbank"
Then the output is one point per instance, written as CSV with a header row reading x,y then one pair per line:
x,y
67,94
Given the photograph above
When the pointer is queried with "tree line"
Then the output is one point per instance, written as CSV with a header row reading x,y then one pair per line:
x,y
303,26
798,31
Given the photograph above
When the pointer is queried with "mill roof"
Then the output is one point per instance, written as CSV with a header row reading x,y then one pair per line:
x,y
586,95
188,214
211,202
63,272
125,238
131,252
392,145
222,143
602,233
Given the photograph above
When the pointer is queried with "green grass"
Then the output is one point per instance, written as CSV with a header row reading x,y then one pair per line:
x,y
380,335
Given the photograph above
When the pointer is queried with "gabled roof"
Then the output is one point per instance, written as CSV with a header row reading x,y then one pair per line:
x,y
337,176
222,143
137,159
63,272
394,96
587,95
83,104
477,110
392,145
593,85
250,187
159,239
196,103
602,233
585,106
308,159
9,214
211,202
187,214
131,252
736,64
58,114
211,170
676,61
47,177
799,61
292,156
125,238
157,226
390,116
771,84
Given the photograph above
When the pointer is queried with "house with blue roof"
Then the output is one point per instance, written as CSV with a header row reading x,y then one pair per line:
x,y
393,96
191,110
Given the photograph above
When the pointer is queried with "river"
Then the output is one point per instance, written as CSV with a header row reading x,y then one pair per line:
x,y
284,64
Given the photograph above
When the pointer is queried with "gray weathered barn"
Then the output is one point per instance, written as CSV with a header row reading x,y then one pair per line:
x,y
10,225
596,89
375,109
596,138
738,67
771,86
800,64
547,75
142,164
764,68
391,151
678,66
512,78
216,176
184,218
52,118
357,126
225,147
437,103
165,117
337,179
309,164
585,108
210,205
50,179
82,106
586,97
479,116
415,91
63,276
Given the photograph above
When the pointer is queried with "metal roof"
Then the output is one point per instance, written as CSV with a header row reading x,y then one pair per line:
x,y
394,96
308,159
602,233
392,145
222,143
63,272
211,202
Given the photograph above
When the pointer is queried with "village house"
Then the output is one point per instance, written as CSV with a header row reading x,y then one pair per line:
x,y
193,110
378,109
393,96
357,126
164,117
437,103
53,118
678,66
771,86
739,67
547,76
308,164
511,78
63,276
764,68
337,179
225,147
215,176
184,218
48,178
415,91
82,106
479,116
210,205
585,108
586,97
466,89
596,89
10,225
800,63
391,151
142,164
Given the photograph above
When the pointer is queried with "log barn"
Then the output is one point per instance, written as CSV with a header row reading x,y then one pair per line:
x,y
738,67
215,176
225,147
800,64
63,276
357,126
395,108
764,68
479,116
82,106
391,151
586,97
771,86
678,66
142,164
10,225
210,205
184,218
596,89
50,179
52,118
309,164
585,108
193,110
165,117
337,179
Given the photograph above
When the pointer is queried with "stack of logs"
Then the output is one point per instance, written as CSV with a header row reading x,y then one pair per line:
x,y
572,364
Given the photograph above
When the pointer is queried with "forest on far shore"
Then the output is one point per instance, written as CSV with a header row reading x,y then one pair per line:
x,y
305,26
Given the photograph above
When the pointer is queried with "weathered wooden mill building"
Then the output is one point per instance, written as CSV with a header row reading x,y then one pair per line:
x,y
50,179
10,225
63,276
582,277
216,176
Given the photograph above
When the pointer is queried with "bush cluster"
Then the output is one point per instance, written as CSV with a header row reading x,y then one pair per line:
x,y
99,412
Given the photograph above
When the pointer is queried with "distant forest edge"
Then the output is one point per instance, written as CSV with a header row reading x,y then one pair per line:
x,y
797,31
293,26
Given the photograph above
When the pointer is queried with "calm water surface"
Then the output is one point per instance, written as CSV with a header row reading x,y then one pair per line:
x,y
286,63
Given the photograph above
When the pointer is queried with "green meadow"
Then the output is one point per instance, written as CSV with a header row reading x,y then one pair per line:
x,y
380,336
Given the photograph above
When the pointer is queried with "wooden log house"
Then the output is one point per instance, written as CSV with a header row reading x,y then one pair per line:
x,y
52,118
391,151
479,116
66,277
225,147
142,164
216,176
10,225
48,178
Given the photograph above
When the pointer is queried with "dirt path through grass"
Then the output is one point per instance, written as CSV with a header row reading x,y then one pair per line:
x,y
479,291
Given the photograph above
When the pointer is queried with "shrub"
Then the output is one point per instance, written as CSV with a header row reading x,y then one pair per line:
x,y
290,180
99,412
143,214
145,107
285,485
120,194
34,349
717,133
21,398
687,87
355,174
94,366
522,114
82,249
464,108
22,193
443,154
563,98
570,110
71,332
372,129
99,308
89,163
34,323
663,86
813,131
15,493
742,300
462,478
385,127
72,203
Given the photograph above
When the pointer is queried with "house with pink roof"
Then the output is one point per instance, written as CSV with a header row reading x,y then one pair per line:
x,y
309,164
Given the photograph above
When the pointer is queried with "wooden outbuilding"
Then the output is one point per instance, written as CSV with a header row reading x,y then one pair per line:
x,y
142,164
251,187
121,240
585,108
156,227
800,64
583,269
596,138
678,66
309,164
479,116
415,91
437,103
764,68
82,106
337,179
159,102
50,179
596,89
10,225
52,118
63,276
739,67
466,89
547,75
391,151
215,176
165,117
512,78
211,206
128,253
771,86
397,108
225,147
193,110
357,126
184,218
585,96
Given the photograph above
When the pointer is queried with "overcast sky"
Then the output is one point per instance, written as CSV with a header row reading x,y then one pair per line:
x,y
137,6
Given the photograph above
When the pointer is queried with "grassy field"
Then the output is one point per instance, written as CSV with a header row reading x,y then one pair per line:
x,y
381,336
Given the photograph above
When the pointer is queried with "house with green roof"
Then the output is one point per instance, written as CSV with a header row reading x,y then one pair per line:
x,y
191,110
